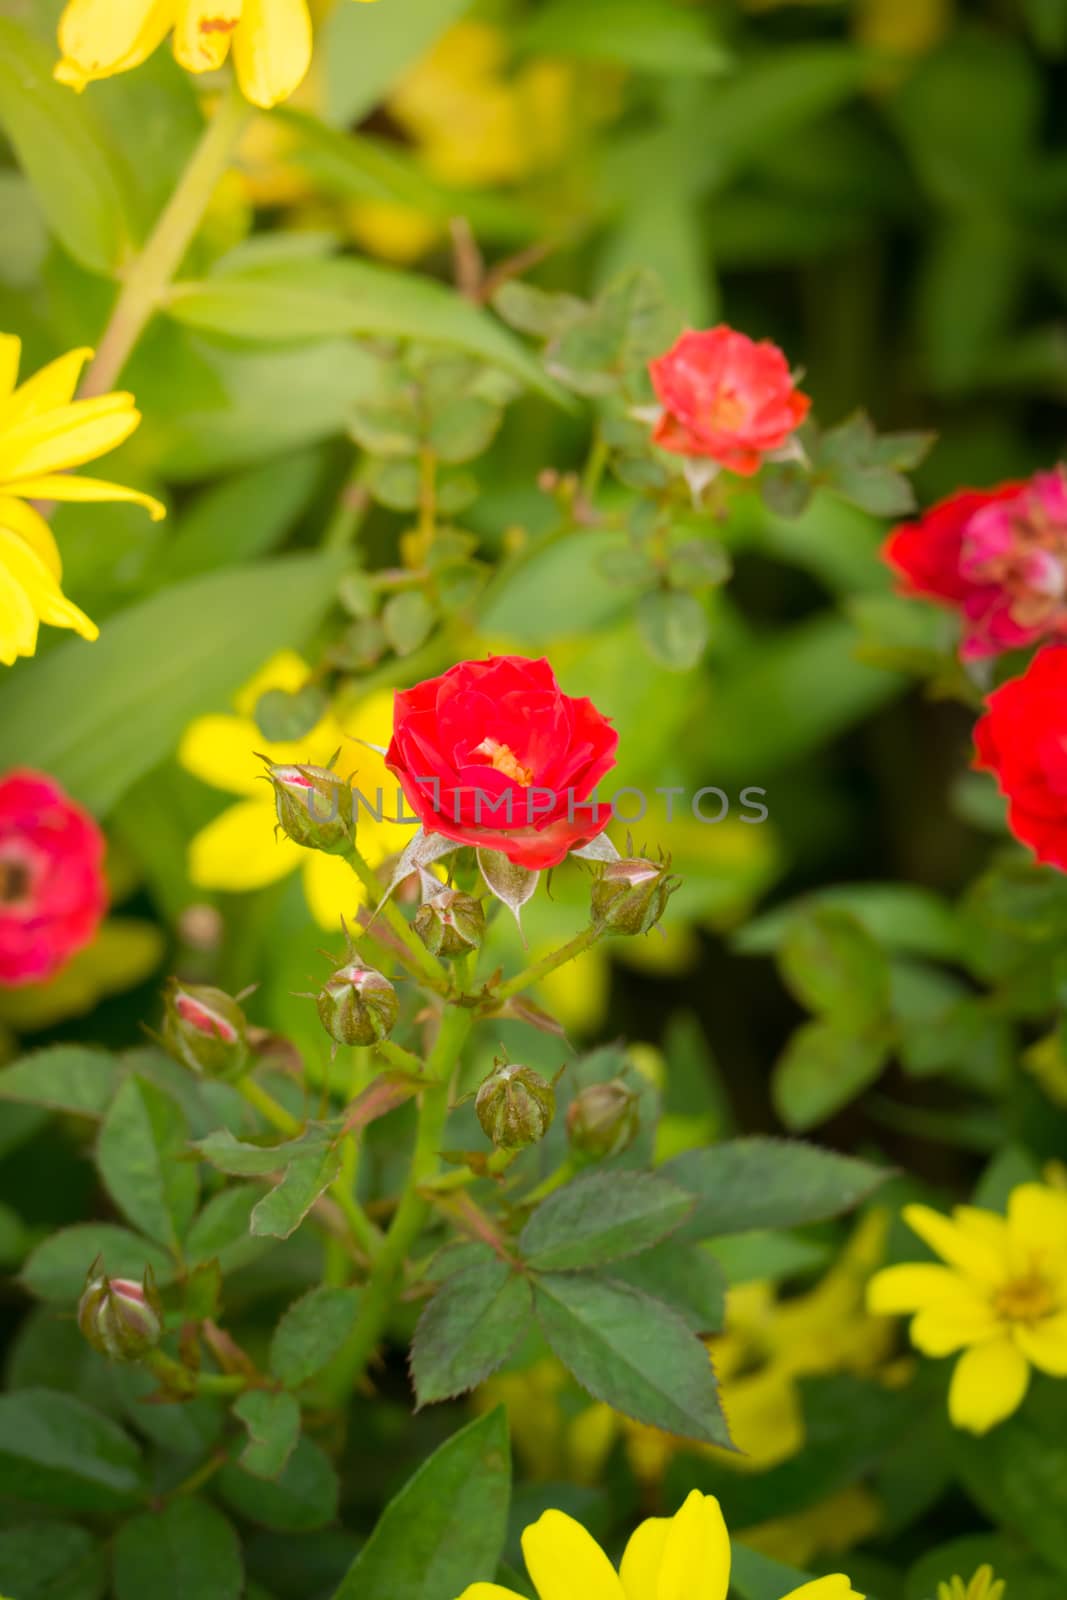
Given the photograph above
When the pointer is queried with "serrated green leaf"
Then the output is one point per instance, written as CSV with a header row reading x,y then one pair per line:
x,y
56,1451
311,1332
684,1277
307,1164
57,1269
188,1549
304,1497
223,1230
600,1218
273,1423
139,1154
52,1561
469,1329
632,1352
768,1183
408,620
63,1077
446,1527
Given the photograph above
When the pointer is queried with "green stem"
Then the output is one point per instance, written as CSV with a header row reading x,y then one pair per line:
x,y
498,1162
349,512
599,453
151,272
429,970
270,1109
376,1302
523,980
397,1056
181,1380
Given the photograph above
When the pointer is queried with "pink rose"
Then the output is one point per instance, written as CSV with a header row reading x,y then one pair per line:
x,y
52,889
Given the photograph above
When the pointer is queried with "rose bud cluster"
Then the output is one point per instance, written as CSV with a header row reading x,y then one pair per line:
x,y
315,806
515,1106
603,1119
998,557
121,1319
631,896
451,923
356,1005
205,1030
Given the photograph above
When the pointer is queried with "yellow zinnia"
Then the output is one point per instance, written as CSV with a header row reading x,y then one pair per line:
x,y
667,1558
43,432
983,1586
1001,1299
271,40
242,848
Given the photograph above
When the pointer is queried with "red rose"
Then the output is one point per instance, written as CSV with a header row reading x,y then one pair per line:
x,y
494,753
1022,740
52,889
726,396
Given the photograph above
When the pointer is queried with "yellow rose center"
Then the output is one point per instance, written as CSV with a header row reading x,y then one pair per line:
x,y
1025,1299
502,759
727,411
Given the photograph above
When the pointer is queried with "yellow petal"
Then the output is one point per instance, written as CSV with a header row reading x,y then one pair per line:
x,y
565,1561
837,1587
31,526
272,49
959,1246
220,750
643,1559
67,437
27,571
988,1384
18,619
51,387
10,356
239,851
696,1555
203,32
285,670
332,889
911,1287
85,491
942,1329
488,1591
1037,1217
1045,1344
99,37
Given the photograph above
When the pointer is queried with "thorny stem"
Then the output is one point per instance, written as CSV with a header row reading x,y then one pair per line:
x,y
522,980
429,970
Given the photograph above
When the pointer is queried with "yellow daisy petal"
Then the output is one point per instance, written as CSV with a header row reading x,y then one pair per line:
x,y
67,436
220,750
488,1591
988,1384
31,526
960,1247
1045,1344
285,670
239,851
203,32
272,49
19,624
911,1287
1037,1217
696,1555
837,1587
29,572
53,386
63,486
941,1330
643,1559
100,37
10,356
564,1561
332,889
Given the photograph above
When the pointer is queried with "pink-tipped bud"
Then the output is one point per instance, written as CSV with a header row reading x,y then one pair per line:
x,y
205,1029
315,807
120,1318
450,923
631,896
603,1119
357,1005
515,1106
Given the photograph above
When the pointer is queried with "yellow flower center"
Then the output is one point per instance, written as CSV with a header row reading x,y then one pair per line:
x,y
502,759
727,411
14,882
1025,1299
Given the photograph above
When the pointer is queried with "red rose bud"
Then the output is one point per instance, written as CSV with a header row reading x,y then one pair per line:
x,y
603,1119
204,1029
515,1106
121,1319
631,896
451,923
357,1005
315,807
726,398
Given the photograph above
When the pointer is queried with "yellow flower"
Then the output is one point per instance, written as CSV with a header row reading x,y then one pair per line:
x,y
271,40
684,1557
832,1525
43,432
240,850
983,1586
1001,1299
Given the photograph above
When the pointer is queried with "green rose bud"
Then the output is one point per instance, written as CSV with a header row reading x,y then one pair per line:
x,y
603,1119
631,896
450,923
357,1005
120,1318
205,1030
316,807
515,1106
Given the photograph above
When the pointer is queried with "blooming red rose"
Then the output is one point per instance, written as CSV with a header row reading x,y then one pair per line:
x,y
1022,740
998,556
52,889
727,397
494,753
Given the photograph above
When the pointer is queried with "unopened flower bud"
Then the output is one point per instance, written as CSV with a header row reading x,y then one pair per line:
x,y
204,1029
357,1005
450,923
631,896
603,1119
515,1106
315,807
120,1318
